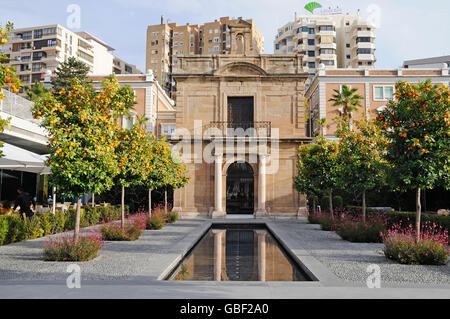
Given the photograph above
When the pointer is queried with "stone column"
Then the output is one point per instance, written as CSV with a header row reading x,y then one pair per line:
x,y
261,254
218,189
218,252
261,186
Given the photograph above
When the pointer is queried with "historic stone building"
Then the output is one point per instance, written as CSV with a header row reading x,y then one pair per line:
x,y
240,120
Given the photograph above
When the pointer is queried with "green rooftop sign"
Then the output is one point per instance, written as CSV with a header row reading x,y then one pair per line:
x,y
312,6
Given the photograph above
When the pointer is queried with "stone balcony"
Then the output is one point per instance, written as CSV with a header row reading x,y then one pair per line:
x,y
262,129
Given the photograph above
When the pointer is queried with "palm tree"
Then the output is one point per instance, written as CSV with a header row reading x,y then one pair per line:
x,y
348,99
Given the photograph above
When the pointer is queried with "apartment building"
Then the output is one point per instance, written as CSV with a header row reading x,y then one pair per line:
x,y
427,63
35,51
122,67
377,87
335,40
167,42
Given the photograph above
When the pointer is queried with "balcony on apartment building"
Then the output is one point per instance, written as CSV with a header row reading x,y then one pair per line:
x,y
363,33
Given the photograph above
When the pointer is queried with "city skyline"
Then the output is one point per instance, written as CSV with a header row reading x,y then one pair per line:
x,y
397,39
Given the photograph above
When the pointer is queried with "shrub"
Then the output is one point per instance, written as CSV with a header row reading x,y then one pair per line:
x,y
172,217
155,222
66,249
431,249
115,232
32,229
327,223
313,218
3,229
360,232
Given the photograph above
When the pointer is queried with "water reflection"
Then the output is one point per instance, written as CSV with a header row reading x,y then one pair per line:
x,y
238,255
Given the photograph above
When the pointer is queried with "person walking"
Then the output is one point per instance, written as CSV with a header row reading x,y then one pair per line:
x,y
24,200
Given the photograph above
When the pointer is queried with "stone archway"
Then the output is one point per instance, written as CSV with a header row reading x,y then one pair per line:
x,y
240,189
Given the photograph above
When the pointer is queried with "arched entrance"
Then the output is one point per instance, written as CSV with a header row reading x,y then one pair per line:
x,y
240,189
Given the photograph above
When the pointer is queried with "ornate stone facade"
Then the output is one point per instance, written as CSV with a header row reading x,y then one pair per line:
x,y
260,94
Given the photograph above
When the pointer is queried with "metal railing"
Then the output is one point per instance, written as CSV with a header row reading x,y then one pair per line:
x,y
240,129
17,106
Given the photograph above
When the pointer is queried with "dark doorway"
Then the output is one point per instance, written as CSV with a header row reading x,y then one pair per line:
x,y
240,189
240,112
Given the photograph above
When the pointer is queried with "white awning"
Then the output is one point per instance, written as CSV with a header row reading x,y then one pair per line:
x,y
18,159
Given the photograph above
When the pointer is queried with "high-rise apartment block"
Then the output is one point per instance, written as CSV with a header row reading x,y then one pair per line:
x,y
166,42
35,51
335,40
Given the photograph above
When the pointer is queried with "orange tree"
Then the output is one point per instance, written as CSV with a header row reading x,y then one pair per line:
x,y
132,160
82,140
128,151
417,125
8,77
166,169
318,168
362,166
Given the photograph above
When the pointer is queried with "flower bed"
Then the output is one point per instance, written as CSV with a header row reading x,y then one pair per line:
x,y
67,249
431,249
115,232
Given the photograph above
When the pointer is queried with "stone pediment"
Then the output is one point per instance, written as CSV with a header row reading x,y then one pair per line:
x,y
240,69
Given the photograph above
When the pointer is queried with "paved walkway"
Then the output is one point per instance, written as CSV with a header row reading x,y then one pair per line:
x,y
132,269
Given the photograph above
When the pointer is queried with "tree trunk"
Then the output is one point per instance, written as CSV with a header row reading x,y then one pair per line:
x,y
123,207
165,200
418,214
364,205
314,204
77,220
331,204
93,200
149,202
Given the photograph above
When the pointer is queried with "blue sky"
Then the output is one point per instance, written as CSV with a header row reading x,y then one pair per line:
x,y
407,29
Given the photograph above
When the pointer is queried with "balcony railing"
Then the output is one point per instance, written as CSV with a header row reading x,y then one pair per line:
x,y
17,106
239,129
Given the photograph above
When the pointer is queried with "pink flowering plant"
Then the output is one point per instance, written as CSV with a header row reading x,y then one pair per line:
x,y
66,248
132,230
402,245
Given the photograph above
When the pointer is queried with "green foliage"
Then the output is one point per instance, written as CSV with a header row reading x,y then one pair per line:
x,y
172,217
37,91
360,232
67,72
362,165
156,222
114,232
317,167
14,229
348,99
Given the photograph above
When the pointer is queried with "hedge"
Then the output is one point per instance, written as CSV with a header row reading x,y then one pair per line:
x,y
394,217
14,229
